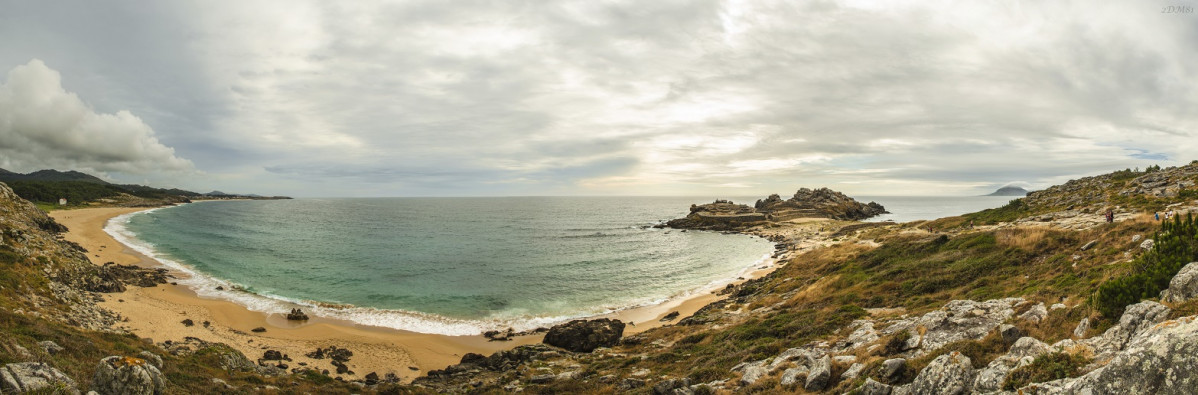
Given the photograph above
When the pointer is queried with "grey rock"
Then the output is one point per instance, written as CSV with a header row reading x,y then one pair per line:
x,y
948,374
1135,319
820,375
1136,238
50,347
751,372
127,376
1026,349
1036,314
542,378
33,376
853,371
1184,285
151,358
1147,244
844,359
1160,360
893,369
627,384
871,387
670,386
791,377
802,356
1082,326
863,333
957,320
22,352
1089,245
1010,333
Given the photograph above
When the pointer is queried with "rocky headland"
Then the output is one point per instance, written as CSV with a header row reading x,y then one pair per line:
x,y
806,203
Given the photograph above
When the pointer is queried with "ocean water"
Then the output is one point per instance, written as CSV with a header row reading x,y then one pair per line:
x,y
452,266
459,266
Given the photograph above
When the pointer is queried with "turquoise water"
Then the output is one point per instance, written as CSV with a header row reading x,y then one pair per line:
x,y
442,265
459,266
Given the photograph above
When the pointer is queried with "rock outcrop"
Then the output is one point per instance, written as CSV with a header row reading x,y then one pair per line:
x,y
33,376
957,320
806,203
127,376
584,335
948,374
1161,360
1184,285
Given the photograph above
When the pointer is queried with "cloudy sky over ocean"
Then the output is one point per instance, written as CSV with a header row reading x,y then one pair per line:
x,y
728,98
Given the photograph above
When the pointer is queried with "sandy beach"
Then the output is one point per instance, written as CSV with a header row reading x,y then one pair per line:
x,y
157,313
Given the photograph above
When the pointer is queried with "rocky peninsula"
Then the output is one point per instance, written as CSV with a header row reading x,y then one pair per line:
x,y
805,204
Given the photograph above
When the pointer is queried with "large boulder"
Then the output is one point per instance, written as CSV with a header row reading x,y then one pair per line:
x,y
948,374
751,371
1184,285
127,376
1161,360
871,387
584,335
820,375
33,376
1136,318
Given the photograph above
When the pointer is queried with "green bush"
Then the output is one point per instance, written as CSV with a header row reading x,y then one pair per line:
x,y
1176,245
1047,367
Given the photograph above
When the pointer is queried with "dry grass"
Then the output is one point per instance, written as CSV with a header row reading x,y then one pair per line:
x,y
1025,238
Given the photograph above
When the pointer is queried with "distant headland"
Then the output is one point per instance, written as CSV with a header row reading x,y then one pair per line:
x,y
1009,191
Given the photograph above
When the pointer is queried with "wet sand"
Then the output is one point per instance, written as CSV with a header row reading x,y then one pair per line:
x,y
157,313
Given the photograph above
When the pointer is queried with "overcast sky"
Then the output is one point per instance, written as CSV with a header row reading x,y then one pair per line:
x,y
713,98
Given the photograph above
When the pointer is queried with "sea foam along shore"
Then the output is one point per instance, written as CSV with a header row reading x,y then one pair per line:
x,y
207,287
155,313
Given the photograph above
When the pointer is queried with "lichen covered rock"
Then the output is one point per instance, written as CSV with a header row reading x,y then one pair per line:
x,y
127,376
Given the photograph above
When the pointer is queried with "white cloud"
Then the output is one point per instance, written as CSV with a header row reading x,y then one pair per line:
x,y
44,126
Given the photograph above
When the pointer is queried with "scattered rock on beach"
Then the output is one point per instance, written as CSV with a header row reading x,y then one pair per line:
x,y
669,317
188,322
297,315
258,330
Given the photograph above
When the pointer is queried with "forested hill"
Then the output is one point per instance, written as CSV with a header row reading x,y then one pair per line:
x,y
48,186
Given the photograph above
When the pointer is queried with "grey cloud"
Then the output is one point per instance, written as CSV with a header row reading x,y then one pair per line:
x,y
582,97
44,126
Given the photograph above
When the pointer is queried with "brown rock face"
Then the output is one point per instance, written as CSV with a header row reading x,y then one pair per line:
x,y
585,336
806,203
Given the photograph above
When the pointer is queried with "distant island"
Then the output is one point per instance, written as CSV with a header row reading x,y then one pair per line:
x,y
62,188
1009,191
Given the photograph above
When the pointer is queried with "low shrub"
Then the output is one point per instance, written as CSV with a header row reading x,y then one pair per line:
x,y
1047,367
